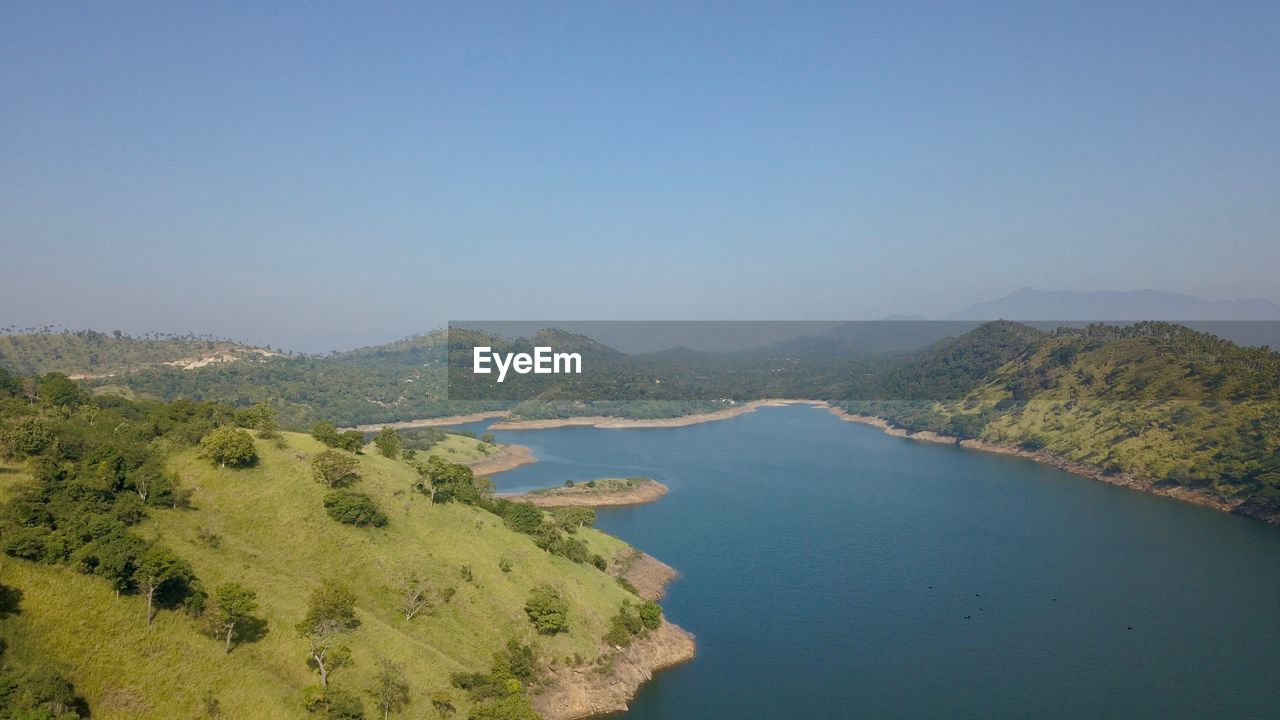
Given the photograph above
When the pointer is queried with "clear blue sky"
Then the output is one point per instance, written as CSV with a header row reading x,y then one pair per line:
x,y
321,176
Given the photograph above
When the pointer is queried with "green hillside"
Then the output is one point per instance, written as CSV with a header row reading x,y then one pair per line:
x,y
1152,400
72,484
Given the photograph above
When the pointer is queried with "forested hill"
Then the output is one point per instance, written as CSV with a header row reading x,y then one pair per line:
x,y
402,380
1150,400
86,354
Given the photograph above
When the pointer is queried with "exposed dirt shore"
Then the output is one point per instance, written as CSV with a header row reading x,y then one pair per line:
x,y
431,422
584,691
603,421
508,458
589,690
646,573
645,491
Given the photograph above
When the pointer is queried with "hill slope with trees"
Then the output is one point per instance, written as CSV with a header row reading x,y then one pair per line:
x,y
191,560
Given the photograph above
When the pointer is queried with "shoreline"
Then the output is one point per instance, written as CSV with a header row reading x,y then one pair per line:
x,y
430,422
1142,484
577,692
509,457
581,496
1079,469
609,422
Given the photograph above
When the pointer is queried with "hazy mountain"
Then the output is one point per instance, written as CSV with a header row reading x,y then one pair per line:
x,y
1031,304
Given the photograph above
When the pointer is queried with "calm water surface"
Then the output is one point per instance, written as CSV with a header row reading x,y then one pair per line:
x,y
832,571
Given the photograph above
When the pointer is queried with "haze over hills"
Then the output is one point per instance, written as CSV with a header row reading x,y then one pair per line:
x,y
1031,304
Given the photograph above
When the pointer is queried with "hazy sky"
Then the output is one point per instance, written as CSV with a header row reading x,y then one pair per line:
x,y
322,176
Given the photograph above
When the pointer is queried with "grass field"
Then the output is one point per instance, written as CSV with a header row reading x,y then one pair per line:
x,y
265,528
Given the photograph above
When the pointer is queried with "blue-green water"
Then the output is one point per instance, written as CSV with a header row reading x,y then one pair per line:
x,y
832,571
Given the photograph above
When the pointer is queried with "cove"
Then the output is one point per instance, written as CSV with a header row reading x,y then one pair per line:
x,y
832,571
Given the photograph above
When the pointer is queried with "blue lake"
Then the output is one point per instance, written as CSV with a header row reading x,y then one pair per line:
x,y
832,571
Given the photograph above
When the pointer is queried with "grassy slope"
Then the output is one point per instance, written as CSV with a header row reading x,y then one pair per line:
x,y
602,486
455,448
276,539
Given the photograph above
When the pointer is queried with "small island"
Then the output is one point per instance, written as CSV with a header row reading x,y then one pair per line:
x,y
596,493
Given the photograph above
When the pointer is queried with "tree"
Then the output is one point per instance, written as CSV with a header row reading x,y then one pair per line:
x,y
391,691
548,612
523,517
262,417
337,704
352,441
442,701
229,446
38,693
158,568
114,557
650,614
330,613
334,469
233,608
388,442
59,390
325,432
450,481
573,517
354,508
26,436
415,596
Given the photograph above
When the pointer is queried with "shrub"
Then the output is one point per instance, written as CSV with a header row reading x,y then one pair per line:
x,y
548,612
334,469
523,517
326,433
651,614
354,508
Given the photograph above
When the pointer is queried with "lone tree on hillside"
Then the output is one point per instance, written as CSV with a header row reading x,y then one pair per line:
x,y
388,442
415,595
157,568
391,691
548,612
334,469
233,608
351,441
262,417
229,446
330,614
325,432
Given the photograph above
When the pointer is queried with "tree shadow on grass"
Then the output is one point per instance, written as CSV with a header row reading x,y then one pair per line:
x,y
10,601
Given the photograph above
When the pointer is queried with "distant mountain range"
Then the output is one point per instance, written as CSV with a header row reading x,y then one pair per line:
x,y
1031,304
